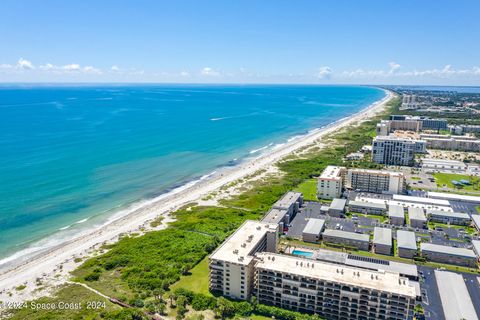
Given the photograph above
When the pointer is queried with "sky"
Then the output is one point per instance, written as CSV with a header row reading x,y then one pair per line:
x,y
429,42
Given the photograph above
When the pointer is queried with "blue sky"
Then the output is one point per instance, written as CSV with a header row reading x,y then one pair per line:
x,y
268,41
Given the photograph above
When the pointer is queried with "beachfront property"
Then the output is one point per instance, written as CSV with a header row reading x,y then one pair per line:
x,y
454,143
455,218
375,181
385,127
426,122
456,301
396,215
330,182
403,269
367,207
391,150
337,208
333,291
449,255
232,264
406,244
417,217
420,145
347,239
382,240
284,210
313,229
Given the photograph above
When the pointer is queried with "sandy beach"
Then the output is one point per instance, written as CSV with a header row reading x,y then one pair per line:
x,y
52,267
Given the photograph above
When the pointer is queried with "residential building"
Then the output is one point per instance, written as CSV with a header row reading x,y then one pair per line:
x,y
476,247
406,244
391,150
337,208
455,218
417,217
330,183
441,165
476,221
367,207
456,301
396,214
375,181
284,210
385,127
454,143
450,255
464,128
232,264
333,291
453,197
382,240
347,239
312,230
404,269
421,200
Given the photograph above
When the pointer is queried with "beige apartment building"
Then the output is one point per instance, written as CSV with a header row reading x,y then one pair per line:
x,y
330,183
332,291
375,181
232,264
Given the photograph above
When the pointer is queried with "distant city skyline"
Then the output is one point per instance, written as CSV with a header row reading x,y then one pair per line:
x,y
328,42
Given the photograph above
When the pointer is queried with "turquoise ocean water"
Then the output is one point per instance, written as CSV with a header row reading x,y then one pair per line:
x,y
71,156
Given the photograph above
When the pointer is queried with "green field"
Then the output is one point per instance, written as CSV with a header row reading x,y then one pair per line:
x,y
196,281
309,189
445,180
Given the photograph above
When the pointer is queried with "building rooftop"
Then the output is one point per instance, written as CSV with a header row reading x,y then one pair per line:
x,y
382,236
453,196
239,246
406,134
461,252
396,211
347,235
476,247
406,240
338,204
367,204
476,220
403,203
287,200
332,173
457,215
456,301
274,216
443,161
314,226
423,200
350,276
416,214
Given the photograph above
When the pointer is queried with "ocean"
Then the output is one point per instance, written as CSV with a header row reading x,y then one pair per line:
x,y
73,156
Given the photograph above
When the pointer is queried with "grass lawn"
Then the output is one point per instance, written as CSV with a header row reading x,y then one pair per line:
x,y
309,189
468,229
478,209
445,179
197,280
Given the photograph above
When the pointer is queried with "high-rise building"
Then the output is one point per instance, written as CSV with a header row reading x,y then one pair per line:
x,y
392,150
330,183
375,181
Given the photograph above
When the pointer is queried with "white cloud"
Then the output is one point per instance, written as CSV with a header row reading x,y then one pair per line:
x,y
24,64
71,67
324,72
185,74
90,69
207,71
393,67
5,66
114,68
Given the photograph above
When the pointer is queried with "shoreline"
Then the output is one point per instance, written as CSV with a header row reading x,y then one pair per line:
x,y
60,258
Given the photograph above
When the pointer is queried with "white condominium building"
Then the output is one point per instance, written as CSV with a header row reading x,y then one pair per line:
x,y
232,264
392,150
330,183
376,181
333,291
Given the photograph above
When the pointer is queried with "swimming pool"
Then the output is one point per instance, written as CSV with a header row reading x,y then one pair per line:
x,y
305,254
